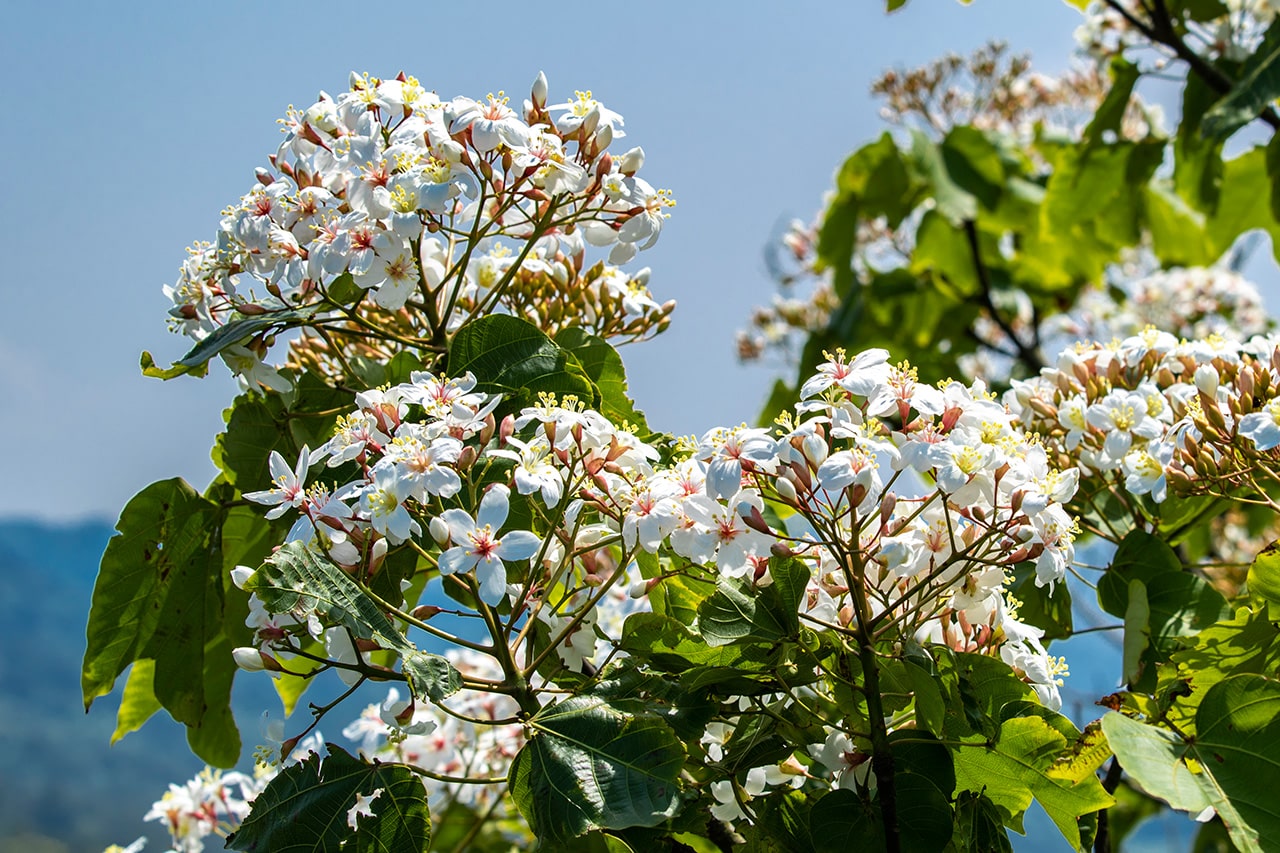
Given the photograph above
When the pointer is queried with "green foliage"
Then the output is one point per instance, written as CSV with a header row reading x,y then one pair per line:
x,y
588,765
160,596
603,366
1020,766
1257,88
739,610
306,807
196,361
1264,574
296,579
1229,765
513,357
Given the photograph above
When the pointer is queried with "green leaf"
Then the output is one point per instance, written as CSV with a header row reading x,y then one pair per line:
x,y
738,609
149,368
1242,205
138,703
953,202
842,821
930,710
1177,233
1016,769
1137,631
978,825
590,766
973,164
1095,188
923,812
148,601
1197,160
1249,642
513,357
243,451
1047,609
1257,88
604,367
305,808
943,252
1235,770
1110,113
238,330
1264,574
295,578
1141,556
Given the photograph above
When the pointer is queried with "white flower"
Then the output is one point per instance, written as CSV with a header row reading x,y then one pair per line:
x,y
289,488
1263,428
478,546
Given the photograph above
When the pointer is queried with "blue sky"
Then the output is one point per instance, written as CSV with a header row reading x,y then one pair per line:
x,y
133,125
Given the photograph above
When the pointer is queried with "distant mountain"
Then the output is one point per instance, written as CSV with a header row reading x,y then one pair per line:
x,y
64,789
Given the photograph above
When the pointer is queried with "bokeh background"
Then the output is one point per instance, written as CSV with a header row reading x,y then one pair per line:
x,y
130,127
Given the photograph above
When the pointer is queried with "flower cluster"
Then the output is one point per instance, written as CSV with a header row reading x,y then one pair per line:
x,y
1154,415
388,210
1233,35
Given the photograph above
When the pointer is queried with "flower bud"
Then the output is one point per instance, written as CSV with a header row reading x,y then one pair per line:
x,y
424,612
249,659
786,489
240,576
604,137
439,531
466,458
591,121
1207,379
538,94
631,162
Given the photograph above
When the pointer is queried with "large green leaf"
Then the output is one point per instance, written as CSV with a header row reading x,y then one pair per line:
x,y
1242,202
243,450
513,357
739,609
161,549
1235,752
1264,574
305,809
973,164
1257,88
842,821
604,367
978,825
588,766
296,578
1110,113
953,202
1141,556
1019,767
1197,159
1249,642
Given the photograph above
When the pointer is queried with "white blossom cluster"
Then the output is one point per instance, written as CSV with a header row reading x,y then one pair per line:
x,y
1233,35
1190,303
418,202
1152,410
213,803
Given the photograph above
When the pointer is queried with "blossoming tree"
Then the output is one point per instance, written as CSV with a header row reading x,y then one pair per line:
x,y
826,632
